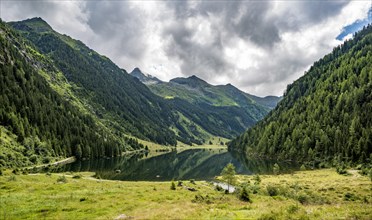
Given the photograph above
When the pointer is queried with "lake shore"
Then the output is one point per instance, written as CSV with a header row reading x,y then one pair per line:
x,y
318,194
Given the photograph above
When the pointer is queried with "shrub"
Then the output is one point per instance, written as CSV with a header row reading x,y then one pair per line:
x,y
272,190
48,174
46,160
77,176
303,198
180,183
350,197
15,171
292,209
173,186
62,179
12,178
219,188
244,195
303,168
1,172
192,181
341,169
276,169
33,159
257,179
201,199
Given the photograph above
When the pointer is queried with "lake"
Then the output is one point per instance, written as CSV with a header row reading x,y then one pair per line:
x,y
198,164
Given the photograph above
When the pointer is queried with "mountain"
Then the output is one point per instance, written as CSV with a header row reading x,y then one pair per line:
x,y
196,90
119,101
145,79
325,116
220,110
37,123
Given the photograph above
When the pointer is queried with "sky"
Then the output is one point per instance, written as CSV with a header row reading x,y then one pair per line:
x,y
258,46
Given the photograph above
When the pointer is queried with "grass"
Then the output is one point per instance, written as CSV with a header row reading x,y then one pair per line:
x,y
331,196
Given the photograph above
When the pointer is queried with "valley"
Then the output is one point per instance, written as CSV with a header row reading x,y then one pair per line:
x,y
157,130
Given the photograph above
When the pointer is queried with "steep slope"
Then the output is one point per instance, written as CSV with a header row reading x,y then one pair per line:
x,y
197,90
220,110
36,122
145,79
122,103
325,115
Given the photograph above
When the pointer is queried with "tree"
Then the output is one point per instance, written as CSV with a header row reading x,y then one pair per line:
x,y
228,175
276,169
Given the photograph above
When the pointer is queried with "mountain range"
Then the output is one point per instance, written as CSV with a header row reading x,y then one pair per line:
x,y
74,101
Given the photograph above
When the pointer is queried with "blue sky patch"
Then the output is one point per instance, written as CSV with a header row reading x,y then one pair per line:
x,y
356,26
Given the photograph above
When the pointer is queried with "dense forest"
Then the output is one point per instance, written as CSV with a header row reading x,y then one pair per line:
x,y
124,105
325,116
111,92
44,124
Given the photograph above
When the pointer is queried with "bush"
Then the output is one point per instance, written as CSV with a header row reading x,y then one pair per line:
x,y
244,195
341,169
62,179
219,188
192,181
303,198
46,160
272,190
33,159
276,169
350,197
303,168
201,199
77,176
15,171
12,178
292,209
257,179
173,186
180,183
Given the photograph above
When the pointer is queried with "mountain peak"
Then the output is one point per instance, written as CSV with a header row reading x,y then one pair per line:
x,y
191,81
36,24
144,78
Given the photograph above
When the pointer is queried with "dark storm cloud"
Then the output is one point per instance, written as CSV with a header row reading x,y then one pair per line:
x,y
316,11
260,46
118,23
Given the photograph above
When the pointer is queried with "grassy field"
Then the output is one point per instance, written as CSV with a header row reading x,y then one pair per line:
x,y
319,194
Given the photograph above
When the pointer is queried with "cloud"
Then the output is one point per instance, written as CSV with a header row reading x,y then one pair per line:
x,y
259,46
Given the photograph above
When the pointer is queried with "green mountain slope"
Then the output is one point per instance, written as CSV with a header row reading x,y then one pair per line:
x,y
122,103
36,122
324,115
218,110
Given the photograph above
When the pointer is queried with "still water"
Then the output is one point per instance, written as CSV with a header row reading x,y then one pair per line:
x,y
198,164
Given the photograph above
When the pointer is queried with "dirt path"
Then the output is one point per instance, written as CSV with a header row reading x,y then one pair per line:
x,y
60,162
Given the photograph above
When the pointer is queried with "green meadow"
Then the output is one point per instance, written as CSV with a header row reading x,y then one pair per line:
x,y
317,194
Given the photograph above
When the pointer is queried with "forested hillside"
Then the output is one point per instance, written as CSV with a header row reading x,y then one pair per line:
x,y
124,104
221,110
325,115
36,123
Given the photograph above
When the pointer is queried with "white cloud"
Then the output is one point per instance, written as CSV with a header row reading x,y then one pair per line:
x,y
258,46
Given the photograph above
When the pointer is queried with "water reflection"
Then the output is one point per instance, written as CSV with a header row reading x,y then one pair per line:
x,y
198,164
